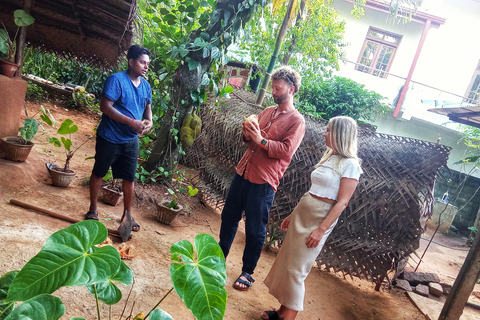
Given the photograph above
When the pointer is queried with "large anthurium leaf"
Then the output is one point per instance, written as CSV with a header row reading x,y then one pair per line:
x,y
107,292
41,307
5,281
66,260
199,278
159,314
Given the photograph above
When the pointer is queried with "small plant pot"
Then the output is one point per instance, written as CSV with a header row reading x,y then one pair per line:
x,y
15,150
165,214
8,68
111,196
60,178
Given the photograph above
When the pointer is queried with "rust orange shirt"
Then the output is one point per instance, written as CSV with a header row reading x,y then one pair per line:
x,y
284,132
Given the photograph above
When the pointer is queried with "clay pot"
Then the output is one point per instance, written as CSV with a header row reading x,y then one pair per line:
x,y
16,149
166,214
8,68
60,178
112,197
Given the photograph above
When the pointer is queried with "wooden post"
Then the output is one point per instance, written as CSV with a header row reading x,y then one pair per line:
x,y
21,40
464,284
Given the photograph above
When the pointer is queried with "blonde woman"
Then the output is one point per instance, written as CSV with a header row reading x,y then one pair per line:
x,y
333,182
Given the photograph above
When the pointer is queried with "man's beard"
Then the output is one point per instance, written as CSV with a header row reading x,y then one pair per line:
x,y
280,99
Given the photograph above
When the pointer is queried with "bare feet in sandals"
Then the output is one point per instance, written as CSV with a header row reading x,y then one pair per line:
x,y
135,226
91,215
243,282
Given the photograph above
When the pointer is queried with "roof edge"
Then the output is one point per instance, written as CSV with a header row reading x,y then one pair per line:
x,y
418,16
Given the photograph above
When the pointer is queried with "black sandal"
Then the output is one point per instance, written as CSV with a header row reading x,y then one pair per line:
x,y
272,315
247,282
91,215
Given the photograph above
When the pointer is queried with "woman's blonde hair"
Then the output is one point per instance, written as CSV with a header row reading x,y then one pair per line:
x,y
343,132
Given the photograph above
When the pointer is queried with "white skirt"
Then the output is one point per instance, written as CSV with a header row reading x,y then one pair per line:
x,y
286,279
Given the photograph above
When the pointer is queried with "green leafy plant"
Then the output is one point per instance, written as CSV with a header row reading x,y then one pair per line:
x,y
70,257
66,128
36,93
341,96
7,45
29,130
144,176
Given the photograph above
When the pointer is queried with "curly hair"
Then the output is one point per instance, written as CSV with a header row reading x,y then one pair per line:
x,y
288,75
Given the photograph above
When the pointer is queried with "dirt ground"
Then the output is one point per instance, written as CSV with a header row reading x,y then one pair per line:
x,y
23,232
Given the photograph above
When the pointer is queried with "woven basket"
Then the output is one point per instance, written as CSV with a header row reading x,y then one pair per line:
x,y
165,214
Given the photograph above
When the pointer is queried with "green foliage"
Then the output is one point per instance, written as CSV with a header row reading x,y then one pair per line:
x,y
148,177
7,45
188,40
36,93
41,307
341,96
471,138
159,314
66,128
311,46
473,235
60,69
198,274
68,258
29,129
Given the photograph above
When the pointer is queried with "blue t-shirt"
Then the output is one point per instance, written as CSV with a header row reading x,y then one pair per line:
x,y
128,100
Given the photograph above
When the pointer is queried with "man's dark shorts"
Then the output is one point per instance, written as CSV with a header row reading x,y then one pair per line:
x,y
121,157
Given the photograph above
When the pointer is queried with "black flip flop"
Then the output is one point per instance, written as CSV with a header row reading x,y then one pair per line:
x,y
272,315
91,215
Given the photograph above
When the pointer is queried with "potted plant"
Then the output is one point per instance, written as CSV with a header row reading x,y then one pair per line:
x,y
18,148
61,177
168,209
112,193
8,67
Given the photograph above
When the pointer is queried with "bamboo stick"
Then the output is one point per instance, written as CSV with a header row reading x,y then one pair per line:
x,y
111,232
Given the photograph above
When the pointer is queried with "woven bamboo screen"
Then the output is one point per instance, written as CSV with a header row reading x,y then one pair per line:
x,y
381,224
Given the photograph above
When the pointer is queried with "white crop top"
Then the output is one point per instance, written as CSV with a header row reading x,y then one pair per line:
x,y
326,178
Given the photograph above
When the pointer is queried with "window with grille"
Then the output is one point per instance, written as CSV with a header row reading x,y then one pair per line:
x,y
377,52
473,91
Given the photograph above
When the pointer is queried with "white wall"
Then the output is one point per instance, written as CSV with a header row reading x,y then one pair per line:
x,y
451,53
447,62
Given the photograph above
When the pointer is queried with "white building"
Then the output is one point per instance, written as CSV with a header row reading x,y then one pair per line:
x,y
436,55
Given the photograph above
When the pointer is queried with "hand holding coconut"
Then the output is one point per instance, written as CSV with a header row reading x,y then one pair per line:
x,y
251,129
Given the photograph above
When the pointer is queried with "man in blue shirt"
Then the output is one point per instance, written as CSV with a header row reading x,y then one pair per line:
x,y
127,112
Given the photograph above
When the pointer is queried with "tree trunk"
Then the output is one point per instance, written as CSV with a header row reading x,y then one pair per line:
x,y
291,48
165,149
276,50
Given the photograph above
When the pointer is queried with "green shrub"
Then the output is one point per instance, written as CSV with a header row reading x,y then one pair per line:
x,y
341,96
36,93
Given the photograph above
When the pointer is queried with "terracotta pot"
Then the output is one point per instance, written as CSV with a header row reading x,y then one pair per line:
x,y
15,150
112,197
61,178
8,68
166,214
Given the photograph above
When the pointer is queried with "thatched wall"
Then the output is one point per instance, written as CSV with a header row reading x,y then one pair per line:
x,y
382,223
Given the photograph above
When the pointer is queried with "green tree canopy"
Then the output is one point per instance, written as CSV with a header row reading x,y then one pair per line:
x,y
313,42
341,96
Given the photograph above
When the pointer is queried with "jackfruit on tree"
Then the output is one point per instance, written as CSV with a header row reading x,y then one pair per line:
x,y
191,128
